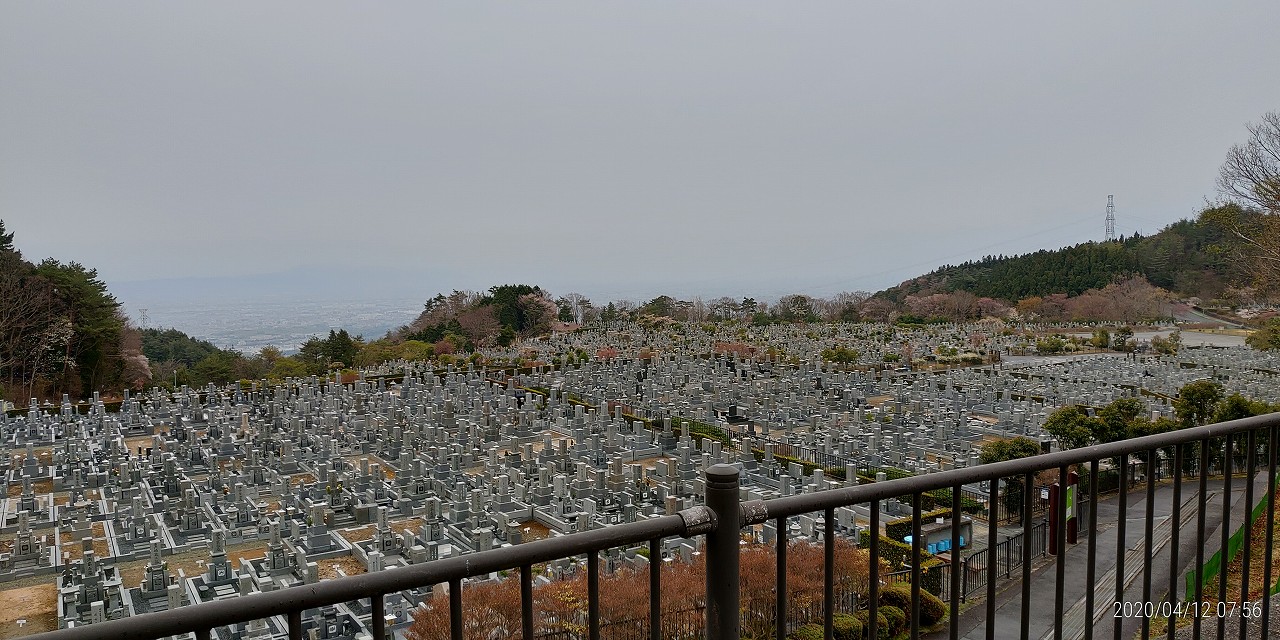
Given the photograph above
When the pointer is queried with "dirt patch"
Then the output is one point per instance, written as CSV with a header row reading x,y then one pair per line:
x,y
349,565
73,550
38,488
140,441
301,478
410,524
533,530
647,462
358,534
69,547
132,573
38,605
192,562
382,464
876,401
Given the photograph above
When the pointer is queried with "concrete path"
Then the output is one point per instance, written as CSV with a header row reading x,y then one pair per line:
x,y
1043,609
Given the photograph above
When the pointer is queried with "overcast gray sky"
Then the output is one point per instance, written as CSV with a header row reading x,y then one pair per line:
x,y
618,149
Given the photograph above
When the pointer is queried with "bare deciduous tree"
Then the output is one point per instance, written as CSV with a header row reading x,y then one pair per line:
x,y
878,310
136,369
1251,176
578,304
844,306
724,307
539,313
480,325
1251,172
33,332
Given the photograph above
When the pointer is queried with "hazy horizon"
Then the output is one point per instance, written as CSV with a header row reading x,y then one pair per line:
x,y
620,151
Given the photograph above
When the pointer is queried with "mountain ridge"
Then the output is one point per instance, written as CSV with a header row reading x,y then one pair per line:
x,y
1189,258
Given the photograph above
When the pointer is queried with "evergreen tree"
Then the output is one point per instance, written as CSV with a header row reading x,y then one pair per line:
x,y
6,239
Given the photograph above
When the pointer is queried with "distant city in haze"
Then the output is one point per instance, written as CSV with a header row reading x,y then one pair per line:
x,y
248,326
284,309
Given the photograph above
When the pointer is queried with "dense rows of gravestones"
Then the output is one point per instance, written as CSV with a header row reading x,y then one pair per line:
x,y
427,463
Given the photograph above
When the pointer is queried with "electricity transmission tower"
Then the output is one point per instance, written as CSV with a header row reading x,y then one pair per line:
x,y
1111,219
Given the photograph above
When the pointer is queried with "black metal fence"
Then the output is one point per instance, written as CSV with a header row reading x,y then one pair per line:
x,y
1003,559
1252,443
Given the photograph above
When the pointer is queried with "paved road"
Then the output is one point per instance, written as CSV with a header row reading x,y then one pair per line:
x,y
1043,609
1185,313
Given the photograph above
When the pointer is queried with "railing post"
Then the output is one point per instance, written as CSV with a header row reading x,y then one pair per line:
x,y
722,553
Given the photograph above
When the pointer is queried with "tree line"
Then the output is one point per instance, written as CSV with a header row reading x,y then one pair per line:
x,y
61,331
1192,258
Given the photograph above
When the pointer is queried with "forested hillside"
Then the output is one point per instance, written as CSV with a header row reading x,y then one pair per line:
x,y
61,331
1189,258
466,319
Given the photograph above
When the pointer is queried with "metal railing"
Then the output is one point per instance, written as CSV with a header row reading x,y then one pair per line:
x,y
1001,559
1236,445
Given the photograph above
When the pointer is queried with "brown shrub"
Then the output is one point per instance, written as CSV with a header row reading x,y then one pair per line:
x,y
492,609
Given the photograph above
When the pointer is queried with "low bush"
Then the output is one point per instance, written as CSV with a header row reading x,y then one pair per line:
x,y
808,632
893,552
882,623
898,528
896,595
846,627
896,618
932,608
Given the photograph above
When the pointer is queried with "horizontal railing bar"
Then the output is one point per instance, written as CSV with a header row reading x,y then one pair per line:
x,y
220,613
758,511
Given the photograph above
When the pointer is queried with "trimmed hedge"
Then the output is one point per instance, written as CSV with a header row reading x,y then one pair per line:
x,y
882,623
809,631
932,609
941,498
807,466
846,627
901,527
699,430
931,575
896,595
897,619
890,473
897,553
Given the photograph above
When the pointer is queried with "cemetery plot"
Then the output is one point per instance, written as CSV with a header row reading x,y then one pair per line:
x,y
28,610
218,492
